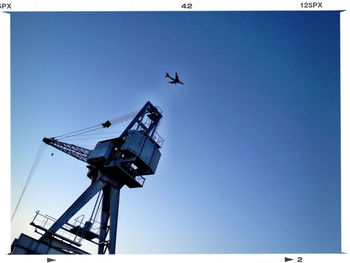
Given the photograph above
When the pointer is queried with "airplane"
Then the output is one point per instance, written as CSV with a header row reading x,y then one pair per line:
x,y
174,80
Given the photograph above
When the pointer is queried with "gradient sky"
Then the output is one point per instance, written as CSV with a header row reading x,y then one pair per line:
x,y
251,159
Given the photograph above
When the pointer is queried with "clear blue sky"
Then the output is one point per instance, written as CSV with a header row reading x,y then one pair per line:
x,y
251,160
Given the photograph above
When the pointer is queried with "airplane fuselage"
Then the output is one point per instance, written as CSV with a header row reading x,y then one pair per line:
x,y
174,80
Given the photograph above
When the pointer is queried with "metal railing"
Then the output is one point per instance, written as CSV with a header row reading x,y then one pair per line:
x,y
147,122
44,222
158,139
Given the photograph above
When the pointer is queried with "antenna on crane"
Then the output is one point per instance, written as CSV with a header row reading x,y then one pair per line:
x,y
113,163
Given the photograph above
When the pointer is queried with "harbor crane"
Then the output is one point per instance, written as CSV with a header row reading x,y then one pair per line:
x,y
113,163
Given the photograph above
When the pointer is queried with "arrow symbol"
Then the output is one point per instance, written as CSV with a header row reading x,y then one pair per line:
x,y
50,259
287,259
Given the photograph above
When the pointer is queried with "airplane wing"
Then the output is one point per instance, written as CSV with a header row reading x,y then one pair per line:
x,y
167,76
176,76
180,82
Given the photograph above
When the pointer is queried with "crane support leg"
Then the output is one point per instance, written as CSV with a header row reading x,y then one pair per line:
x,y
75,207
104,219
114,218
110,207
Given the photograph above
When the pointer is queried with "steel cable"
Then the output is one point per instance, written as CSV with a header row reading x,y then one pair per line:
x,y
122,118
89,138
63,135
98,126
38,157
67,136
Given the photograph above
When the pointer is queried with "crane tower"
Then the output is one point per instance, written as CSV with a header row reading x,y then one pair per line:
x,y
113,163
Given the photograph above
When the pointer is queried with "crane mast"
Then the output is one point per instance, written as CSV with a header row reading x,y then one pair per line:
x,y
113,163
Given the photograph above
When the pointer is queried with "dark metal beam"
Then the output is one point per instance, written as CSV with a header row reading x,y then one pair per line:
x,y
75,207
114,219
104,219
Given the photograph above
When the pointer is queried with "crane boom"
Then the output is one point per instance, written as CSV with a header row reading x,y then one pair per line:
x,y
77,152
